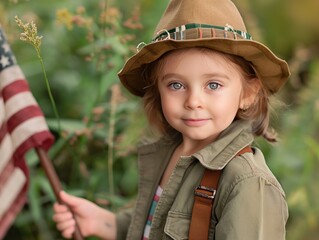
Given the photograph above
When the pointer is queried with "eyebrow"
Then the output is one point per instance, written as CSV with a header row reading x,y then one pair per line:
x,y
208,75
171,75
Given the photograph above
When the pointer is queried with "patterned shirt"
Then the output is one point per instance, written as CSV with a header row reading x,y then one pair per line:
x,y
151,213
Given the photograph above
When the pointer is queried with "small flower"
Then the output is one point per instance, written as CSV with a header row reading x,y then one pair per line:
x,y
65,17
30,33
110,16
80,21
134,21
80,10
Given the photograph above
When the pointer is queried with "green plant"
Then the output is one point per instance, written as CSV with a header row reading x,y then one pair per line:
x,y
92,155
296,159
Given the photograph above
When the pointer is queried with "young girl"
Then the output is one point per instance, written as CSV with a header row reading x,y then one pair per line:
x,y
206,86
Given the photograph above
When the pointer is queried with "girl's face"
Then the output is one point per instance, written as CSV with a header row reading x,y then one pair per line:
x,y
201,92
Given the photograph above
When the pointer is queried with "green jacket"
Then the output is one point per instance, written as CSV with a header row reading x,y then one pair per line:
x,y
250,203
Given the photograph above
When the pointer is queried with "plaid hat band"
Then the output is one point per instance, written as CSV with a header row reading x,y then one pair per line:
x,y
200,31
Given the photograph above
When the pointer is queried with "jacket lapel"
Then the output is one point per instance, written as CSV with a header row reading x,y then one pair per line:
x,y
153,159
233,139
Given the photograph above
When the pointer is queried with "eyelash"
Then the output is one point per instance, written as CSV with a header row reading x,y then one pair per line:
x,y
172,85
214,83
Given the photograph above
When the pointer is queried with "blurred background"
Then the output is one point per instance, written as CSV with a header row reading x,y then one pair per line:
x,y
85,44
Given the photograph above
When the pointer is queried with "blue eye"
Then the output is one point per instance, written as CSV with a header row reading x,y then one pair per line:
x,y
213,85
175,85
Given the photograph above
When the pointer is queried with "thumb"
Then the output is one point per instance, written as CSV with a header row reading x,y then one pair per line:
x,y
69,199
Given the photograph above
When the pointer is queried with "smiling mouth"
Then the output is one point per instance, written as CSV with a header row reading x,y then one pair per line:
x,y
195,122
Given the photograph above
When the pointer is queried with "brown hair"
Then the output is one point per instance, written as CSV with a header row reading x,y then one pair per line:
x,y
257,112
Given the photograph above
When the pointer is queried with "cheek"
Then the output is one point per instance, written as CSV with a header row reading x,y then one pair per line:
x,y
237,96
233,97
169,109
228,105
167,106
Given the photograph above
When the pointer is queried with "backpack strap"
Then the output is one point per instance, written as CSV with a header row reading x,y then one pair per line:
x,y
204,201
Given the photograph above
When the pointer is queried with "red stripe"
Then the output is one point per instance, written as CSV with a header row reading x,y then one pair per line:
x,y
3,131
14,88
156,198
42,139
23,115
200,33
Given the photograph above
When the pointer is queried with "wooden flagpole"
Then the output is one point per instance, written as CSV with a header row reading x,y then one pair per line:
x,y
55,184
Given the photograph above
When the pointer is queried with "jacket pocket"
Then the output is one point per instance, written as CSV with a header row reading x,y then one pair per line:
x,y
177,225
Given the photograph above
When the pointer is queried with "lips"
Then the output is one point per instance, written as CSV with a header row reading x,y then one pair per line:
x,y
197,122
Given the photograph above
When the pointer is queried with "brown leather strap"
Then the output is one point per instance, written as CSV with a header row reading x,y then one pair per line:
x,y
204,201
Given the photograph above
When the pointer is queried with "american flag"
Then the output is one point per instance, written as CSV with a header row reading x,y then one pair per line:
x,y
22,127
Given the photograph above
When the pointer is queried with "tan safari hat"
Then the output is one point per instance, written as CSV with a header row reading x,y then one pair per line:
x,y
214,24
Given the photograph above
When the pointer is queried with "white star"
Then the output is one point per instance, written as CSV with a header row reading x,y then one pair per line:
x,y
4,61
6,47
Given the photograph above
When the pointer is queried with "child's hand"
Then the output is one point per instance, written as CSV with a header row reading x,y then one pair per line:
x,y
64,219
91,218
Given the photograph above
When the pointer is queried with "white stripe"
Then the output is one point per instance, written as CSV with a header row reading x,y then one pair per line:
x,y
11,190
5,152
18,102
25,130
147,230
159,191
9,75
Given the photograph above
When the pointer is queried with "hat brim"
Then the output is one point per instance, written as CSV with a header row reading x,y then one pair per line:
x,y
272,70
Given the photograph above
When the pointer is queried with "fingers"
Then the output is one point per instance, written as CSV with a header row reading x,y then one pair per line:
x,y
65,222
70,200
66,228
61,212
65,212
68,233
60,208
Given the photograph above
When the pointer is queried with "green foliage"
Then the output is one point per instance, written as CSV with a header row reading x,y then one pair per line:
x,y
85,44
296,159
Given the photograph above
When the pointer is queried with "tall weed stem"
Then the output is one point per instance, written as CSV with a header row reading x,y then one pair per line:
x,y
30,35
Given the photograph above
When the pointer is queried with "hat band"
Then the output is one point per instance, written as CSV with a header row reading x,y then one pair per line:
x,y
199,31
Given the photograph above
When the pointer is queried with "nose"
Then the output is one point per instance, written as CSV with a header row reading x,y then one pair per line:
x,y
194,100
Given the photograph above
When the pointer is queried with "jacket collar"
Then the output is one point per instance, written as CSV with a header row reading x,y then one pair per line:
x,y
233,139
214,156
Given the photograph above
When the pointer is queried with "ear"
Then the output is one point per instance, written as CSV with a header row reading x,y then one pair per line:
x,y
249,93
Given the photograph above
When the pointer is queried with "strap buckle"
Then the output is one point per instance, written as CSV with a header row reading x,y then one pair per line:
x,y
212,192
